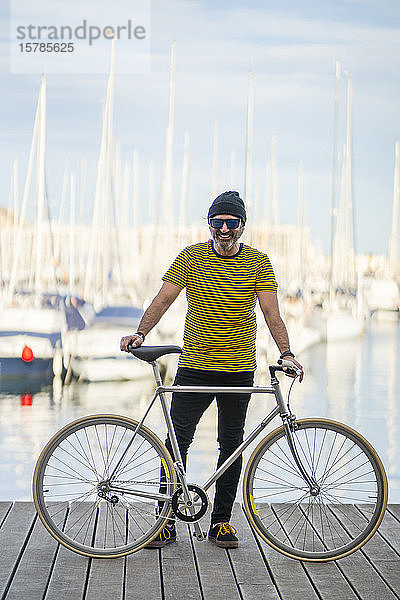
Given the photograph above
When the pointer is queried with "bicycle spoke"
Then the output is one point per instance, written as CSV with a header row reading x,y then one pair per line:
x,y
74,472
305,522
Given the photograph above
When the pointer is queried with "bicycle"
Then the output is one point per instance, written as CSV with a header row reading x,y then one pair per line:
x,y
314,489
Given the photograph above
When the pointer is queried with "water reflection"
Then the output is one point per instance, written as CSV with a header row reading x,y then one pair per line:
x,y
355,382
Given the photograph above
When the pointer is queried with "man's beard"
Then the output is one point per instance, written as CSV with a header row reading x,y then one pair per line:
x,y
226,242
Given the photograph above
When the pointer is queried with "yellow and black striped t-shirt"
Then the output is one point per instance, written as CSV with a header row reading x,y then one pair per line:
x,y
220,326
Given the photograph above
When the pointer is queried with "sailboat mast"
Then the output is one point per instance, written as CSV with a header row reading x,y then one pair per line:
x,y
15,194
184,187
249,144
151,178
72,263
96,276
167,195
214,175
274,185
301,223
350,241
18,244
393,247
334,171
40,186
232,173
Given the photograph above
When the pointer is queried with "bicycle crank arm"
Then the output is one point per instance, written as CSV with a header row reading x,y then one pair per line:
x,y
198,533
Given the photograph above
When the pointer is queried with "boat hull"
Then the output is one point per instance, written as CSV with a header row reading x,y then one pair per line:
x,y
336,325
109,369
16,368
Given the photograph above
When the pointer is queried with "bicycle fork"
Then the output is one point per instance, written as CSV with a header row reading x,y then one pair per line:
x,y
288,421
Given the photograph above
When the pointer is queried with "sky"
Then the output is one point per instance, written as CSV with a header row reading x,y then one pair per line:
x,y
291,47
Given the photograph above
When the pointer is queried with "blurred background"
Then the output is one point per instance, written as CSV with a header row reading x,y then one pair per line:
x,y
107,170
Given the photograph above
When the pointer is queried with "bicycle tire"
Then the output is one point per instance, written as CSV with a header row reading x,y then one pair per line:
x,y
341,517
72,466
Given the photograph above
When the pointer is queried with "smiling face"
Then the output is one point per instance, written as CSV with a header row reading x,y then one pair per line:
x,y
225,239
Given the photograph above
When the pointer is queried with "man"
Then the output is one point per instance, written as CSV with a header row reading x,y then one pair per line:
x,y
223,279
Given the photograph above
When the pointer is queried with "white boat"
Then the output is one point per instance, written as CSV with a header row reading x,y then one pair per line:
x,y
93,353
384,293
31,337
384,299
342,325
336,323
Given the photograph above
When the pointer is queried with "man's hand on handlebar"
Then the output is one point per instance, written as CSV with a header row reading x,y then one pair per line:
x,y
134,340
291,367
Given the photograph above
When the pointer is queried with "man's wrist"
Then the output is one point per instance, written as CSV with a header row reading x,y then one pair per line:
x,y
141,335
286,354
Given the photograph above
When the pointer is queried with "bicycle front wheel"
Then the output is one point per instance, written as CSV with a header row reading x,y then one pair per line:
x,y
72,493
323,524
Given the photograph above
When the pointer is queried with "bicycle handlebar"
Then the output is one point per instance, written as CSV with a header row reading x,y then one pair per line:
x,y
291,368
151,353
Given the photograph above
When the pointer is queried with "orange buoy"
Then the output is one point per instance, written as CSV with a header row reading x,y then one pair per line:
x,y
26,400
27,354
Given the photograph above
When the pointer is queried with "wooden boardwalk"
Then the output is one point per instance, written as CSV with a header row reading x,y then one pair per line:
x,y
33,566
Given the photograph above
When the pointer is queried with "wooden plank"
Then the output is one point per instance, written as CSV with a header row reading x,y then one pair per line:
x,y
306,526
35,567
143,578
337,580
329,581
364,577
381,556
106,579
13,536
68,579
252,575
179,569
390,530
216,576
28,554
4,508
326,577
289,575
394,509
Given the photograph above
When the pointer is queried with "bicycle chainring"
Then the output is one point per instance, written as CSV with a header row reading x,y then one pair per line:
x,y
200,509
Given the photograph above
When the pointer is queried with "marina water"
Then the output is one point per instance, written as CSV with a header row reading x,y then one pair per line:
x,y
356,382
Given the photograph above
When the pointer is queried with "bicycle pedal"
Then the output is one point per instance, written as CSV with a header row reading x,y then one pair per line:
x,y
200,537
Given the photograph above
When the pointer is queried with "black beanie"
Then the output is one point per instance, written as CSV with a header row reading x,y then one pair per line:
x,y
228,203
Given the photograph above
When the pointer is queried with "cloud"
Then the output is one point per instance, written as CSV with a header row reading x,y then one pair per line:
x,y
292,53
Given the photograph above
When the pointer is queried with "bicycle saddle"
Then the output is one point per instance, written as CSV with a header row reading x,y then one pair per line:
x,y
151,353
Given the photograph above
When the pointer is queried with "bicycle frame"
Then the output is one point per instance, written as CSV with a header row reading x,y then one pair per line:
x,y
304,526
162,390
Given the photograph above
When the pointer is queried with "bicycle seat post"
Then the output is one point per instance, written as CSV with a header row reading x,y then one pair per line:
x,y
157,374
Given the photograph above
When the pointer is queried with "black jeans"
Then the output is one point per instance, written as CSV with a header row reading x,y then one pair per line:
x,y
188,408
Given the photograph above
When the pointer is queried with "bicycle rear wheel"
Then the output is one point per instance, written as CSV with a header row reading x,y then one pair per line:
x,y
345,512
70,486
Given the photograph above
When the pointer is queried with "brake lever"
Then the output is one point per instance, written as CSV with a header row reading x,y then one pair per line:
x,y
291,368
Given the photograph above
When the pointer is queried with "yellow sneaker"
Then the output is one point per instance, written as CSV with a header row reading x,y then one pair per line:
x,y
167,536
223,535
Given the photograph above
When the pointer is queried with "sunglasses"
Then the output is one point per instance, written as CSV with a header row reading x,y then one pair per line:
x,y
230,223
